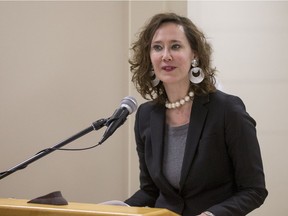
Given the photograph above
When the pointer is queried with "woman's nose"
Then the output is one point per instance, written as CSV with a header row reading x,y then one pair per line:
x,y
166,55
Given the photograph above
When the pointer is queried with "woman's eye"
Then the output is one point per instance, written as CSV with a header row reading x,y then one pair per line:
x,y
175,46
157,47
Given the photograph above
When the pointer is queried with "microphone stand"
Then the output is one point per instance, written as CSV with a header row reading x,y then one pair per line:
x,y
95,126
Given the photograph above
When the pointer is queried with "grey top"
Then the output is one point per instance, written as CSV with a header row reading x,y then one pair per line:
x,y
174,148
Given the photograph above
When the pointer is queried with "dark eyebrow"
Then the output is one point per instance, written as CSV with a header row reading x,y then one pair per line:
x,y
172,41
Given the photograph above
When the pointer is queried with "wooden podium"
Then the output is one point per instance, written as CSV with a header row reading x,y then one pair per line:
x,y
18,207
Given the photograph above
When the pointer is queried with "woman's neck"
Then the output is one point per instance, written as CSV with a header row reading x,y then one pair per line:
x,y
179,116
176,92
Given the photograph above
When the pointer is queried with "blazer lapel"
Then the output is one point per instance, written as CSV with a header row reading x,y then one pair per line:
x,y
157,123
197,120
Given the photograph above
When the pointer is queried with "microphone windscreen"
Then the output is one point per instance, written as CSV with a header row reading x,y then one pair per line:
x,y
129,103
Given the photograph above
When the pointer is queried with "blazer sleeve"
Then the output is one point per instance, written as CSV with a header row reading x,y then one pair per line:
x,y
244,152
148,192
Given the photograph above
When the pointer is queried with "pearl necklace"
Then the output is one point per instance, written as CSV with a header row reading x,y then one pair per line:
x,y
181,102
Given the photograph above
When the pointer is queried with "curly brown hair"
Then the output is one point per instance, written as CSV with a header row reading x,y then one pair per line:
x,y
141,64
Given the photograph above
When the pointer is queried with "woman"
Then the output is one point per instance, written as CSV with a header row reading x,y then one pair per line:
x,y
197,146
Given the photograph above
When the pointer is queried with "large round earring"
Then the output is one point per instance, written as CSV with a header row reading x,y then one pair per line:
x,y
196,74
154,80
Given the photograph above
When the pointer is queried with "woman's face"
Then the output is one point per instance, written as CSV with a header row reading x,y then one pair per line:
x,y
171,54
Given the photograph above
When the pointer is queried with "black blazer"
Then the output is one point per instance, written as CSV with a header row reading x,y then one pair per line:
x,y
222,168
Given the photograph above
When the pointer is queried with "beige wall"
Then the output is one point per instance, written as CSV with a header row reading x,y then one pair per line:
x,y
63,65
250,44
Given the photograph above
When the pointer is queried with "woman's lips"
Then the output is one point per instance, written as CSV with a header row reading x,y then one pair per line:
x,y
168,68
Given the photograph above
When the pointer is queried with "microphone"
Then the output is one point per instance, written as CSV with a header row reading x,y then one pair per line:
x,y
127,106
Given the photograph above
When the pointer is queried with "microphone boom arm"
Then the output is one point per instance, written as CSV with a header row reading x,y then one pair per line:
x,y
95,126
